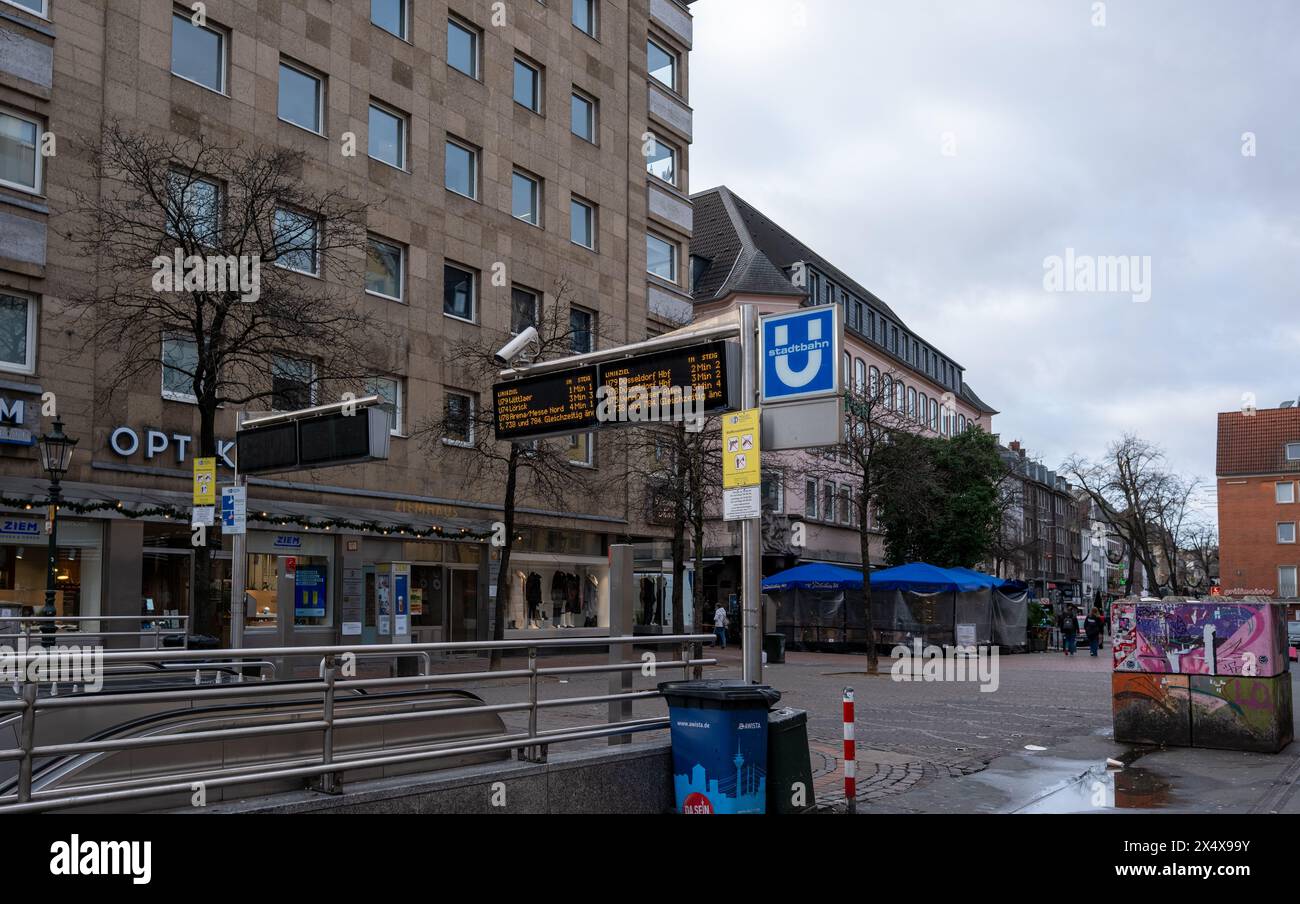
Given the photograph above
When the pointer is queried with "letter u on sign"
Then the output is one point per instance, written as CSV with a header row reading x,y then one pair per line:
x,y
800,351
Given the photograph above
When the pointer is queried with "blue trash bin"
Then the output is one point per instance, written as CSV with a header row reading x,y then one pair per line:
x,y
719,737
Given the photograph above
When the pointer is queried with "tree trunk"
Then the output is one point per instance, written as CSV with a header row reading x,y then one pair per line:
x,y
504,584
679,562
864,537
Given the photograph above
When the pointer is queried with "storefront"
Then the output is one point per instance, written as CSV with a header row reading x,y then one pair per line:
x,y
78,571
559,584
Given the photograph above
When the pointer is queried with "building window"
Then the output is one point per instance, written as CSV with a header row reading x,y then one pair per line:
x,y
773,492
846,505
828,502
198,53
462,170
387,137
385,269
661,161
582,338
1286,582
528,86
293,384
661,63
1286,493
459,419
1293,451
661,257
873,381
900,397
462,47
911,403
810,499
582,119
888,392
584,16
302,99
961,423
194,207
459,293
17,333
390,15
859,376
297,239
389,389
580,449
923,408
582,224
1286,532
35,6
526,198
934,415
523,309
20,159
180,361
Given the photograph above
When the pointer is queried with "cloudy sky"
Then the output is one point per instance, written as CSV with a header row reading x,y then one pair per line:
x,y
940,150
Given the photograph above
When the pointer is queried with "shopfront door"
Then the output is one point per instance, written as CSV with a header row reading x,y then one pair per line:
x,y
462,600
167,581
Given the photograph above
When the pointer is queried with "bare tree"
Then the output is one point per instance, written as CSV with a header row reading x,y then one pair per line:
x,y
463,439
1201,555
205,245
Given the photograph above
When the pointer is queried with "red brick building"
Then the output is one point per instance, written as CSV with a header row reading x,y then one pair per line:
x,y
1258,472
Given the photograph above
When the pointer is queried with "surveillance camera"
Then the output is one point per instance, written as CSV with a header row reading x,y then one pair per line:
x,y
517,347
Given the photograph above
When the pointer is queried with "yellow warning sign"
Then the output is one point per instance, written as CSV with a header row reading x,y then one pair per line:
x,y
740,453
205,481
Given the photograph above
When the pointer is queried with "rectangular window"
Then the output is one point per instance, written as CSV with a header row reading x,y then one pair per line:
x,y
462,47
459,293
661,63
198,53
810,499
582,224
528,86
526,198
194,207
582,338
828,502
1293,451
580,449
584,16
462,170
390,15
523,309
387,137
1286,493
583,117
390,390
20,159
1286,532
36,6
661,161
459,419
297,241
180,360
773,492
17,332
661,257
385,268
293,384
1286,582
302,99
846,507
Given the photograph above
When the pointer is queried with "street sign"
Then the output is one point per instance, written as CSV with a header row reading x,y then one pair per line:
x,y
799,354
652,387
741,466
205,482
234,510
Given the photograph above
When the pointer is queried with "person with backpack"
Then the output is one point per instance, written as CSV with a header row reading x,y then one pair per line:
x,y
1092,628
1069,629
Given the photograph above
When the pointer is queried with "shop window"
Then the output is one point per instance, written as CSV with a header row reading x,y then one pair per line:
x,y
311,590
426,596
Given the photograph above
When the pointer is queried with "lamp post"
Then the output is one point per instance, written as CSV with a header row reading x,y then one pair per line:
x,y
56,456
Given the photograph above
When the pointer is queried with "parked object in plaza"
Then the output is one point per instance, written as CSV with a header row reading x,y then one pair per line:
x,y
789,766
1152,709
719,736
1235,713
1244,638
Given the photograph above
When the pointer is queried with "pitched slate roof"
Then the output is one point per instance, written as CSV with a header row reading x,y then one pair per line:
x,y
1256,444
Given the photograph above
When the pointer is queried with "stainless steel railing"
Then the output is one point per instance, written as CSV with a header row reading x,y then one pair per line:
x,y
531,745
177,626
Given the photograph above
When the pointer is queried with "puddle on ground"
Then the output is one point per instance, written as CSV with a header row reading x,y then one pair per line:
x,y
1101,789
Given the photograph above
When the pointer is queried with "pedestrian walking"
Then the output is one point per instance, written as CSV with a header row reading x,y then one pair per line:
x,y
720,625
1092,628
1069,629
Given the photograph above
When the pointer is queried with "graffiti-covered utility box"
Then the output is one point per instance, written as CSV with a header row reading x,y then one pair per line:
x,y
1247,639
1235,713
1152,709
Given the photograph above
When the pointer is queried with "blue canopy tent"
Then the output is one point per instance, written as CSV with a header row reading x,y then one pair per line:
x,y
1010,609
815,576
819,605
938,605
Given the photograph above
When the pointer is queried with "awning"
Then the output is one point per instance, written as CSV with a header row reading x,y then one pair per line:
x,y
815,576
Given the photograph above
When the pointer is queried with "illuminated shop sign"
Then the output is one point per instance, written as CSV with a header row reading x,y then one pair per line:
x,y
125,442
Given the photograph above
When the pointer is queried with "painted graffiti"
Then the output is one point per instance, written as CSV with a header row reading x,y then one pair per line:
x,y
1199,638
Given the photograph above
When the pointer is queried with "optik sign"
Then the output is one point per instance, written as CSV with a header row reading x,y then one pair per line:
x,y
800,354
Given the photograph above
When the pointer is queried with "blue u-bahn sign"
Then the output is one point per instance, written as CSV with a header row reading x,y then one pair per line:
x,y
800,354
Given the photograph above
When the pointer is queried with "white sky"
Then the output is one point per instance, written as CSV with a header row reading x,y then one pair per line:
x,y
831,117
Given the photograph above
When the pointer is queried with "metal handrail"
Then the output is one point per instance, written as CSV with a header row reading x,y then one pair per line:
x,y
157,632
531,745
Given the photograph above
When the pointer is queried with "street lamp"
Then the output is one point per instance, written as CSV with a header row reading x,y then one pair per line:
x,y
56,457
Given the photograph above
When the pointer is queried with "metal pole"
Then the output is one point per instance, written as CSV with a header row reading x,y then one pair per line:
x,y
751,542
26,741
238,577
327,781
620,625
49,628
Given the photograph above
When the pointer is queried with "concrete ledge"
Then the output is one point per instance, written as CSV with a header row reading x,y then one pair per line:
x,y
633,779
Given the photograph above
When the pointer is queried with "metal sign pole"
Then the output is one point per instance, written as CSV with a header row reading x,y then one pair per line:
x,y
751,548
238,567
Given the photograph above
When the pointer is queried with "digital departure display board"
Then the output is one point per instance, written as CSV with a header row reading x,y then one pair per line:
x,y
607,394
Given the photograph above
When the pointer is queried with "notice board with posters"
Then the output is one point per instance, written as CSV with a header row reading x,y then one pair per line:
x,y
309,591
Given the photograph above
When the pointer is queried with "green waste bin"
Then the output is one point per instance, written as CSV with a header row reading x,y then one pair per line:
x,y
789,766
774,647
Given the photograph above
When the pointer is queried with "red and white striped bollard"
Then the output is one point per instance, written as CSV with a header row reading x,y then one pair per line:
x,y
850,754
